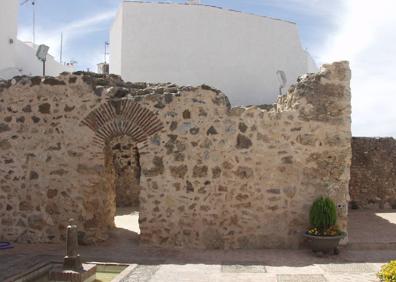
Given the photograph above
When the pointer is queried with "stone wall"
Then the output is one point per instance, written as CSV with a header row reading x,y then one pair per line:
x,y
127,170
211,176
373,173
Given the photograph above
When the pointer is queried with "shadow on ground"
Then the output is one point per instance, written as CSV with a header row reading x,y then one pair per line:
x,y
123,247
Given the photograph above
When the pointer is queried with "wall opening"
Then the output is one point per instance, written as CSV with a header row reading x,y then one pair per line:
x,y
127,172
124,166
119,126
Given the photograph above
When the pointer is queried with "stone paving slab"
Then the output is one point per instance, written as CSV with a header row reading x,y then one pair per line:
x,y
363,277
301,278
213,277
141,273
349,268
238,268
311,269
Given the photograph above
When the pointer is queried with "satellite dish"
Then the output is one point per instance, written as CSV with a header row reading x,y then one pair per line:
x,y
281,75
42,52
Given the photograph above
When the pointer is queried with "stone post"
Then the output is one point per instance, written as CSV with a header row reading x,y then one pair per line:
x,y
72,259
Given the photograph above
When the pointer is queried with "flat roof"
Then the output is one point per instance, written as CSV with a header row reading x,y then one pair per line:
x,y
209,6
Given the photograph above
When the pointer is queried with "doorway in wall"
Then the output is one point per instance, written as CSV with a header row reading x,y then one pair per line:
x,y
119,126
126,171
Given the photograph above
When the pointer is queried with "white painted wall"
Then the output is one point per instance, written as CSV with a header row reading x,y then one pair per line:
x,y
194,44
8,30
116,42
26,59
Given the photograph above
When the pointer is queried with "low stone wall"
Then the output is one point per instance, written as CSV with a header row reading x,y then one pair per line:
x,y
211,176
373,173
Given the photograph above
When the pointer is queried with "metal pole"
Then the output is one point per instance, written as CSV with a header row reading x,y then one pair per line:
x,y
61,48
105,53
43,67
34,22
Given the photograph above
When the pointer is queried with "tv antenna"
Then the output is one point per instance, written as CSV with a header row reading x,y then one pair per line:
x,y
106,51
282,80
61,49
33,2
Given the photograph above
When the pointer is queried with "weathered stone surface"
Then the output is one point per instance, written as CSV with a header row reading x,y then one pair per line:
x,y
5,145
216,172
211,131
200,171
157,168
373,173
33,175
244,172
211,176
53,81
126,165
242,127
4,127
27,109
186,114
194,131
45,108
243,142
178,171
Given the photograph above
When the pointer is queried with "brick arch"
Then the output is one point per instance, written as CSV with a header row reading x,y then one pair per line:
x,y
119,118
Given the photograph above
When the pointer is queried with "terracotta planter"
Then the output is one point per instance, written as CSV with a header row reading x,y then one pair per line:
x,y
324,244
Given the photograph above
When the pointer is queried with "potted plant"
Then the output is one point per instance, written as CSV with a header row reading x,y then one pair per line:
x,y
388,272
324,235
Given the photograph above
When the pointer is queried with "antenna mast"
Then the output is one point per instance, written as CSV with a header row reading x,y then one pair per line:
x,y
105,52
61,48
34,17
34,21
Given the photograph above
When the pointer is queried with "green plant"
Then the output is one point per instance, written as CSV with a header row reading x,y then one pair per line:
x,y
323,214
388,272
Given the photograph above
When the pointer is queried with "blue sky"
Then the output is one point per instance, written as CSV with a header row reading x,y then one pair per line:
x,y
361,31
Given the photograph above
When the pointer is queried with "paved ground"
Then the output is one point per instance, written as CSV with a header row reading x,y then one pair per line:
x,y
372,230
154,265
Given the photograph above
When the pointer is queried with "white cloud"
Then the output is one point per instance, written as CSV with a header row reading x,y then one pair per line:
x,y
367,38
71,31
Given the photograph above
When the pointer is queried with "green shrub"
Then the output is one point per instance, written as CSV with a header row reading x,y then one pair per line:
x,y
388,272
323,214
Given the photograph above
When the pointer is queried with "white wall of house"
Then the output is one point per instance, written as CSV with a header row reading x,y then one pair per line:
x,y
31,65
116,42
235,52
19,58
8,32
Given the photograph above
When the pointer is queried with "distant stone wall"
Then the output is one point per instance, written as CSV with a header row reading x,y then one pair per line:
x,y
127,172
373,173
211,176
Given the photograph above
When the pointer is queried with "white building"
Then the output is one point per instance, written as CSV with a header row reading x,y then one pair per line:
x,y
189,44
17,57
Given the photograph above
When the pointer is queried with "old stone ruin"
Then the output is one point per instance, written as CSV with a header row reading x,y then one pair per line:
x,y
373,173
203,174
